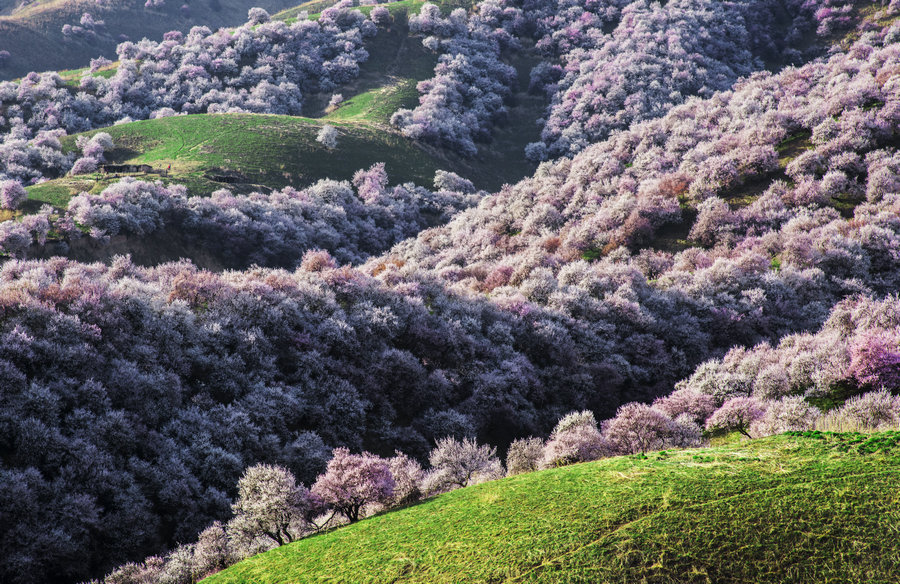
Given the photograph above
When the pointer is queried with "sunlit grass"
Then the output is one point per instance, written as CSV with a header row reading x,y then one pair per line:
x,y
808,508
270,151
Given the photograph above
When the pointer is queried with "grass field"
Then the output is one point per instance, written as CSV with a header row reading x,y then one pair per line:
x,y
816,508
269,151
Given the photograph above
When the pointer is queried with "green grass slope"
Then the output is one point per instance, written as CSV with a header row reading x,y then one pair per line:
x,y
817,508
264,150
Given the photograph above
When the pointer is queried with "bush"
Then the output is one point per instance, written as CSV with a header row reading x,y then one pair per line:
x,y
789,414
456,464
353,481
84,165
640,428
524,455
580,443
873,410
875,361
408,476
12,194
381,16
698,406
271,504
328,137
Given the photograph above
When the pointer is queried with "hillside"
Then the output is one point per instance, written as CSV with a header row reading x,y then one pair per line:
x,y
261,152
39,25
770,510
706,247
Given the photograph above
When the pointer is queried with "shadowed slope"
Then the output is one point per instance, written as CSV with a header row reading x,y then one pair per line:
x,y
33,34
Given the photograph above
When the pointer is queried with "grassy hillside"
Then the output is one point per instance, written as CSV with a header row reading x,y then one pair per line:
x,y
32,33
262,150
808,508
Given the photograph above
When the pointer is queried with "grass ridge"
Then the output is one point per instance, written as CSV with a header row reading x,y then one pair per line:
x,y
777,507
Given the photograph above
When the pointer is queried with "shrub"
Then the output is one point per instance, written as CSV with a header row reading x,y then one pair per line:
x,y
875,361
381,16
640,428
456,464
789,414
408,476
873,410
579,443
698,406
328,137
524,455
84,165
212,552
12,194
258,15
713,222
271,504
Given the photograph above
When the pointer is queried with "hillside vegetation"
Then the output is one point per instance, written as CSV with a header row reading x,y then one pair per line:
x,y
777,509
32,32
260,152
717,240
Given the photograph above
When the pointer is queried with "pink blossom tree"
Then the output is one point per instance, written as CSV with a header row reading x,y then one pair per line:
x,y
456,464
271,504
575,438
639,428
875,361
789,414
12,194
873,410
408,476
353,481
524,455
699,406
381,16
84,165
738,414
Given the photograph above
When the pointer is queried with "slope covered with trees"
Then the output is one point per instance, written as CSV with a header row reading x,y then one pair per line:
x,y
263,66
49,35
706,246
